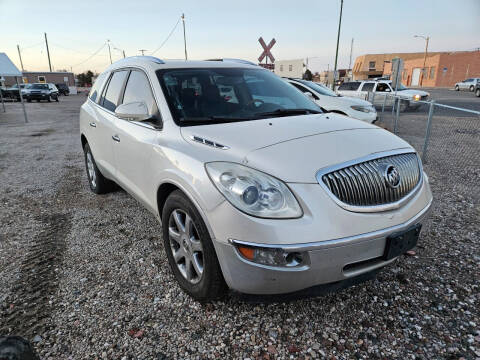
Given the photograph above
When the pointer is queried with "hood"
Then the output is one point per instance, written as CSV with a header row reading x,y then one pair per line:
x,y
412,92
347,100
294,148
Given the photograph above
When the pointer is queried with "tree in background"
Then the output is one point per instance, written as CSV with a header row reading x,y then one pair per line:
x,y
308,75
85,79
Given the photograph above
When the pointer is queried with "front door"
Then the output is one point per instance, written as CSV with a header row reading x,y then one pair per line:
x,y
137,141
416,76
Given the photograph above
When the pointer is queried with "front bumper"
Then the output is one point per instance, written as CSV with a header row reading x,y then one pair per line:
x,y
37,96
370,117
327,261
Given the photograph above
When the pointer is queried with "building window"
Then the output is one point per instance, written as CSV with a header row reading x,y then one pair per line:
x,y
371,65
432,72
289,67
281,67
41,79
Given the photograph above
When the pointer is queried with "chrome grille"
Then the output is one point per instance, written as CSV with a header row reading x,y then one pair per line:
x,y
366,184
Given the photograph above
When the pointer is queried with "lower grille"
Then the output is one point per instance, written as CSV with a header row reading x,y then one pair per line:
x,y
379,181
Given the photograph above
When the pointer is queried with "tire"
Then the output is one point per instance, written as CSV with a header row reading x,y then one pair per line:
x,y
404,105
457,88
194,248
471,88
56,98
98,183
477,92
49,98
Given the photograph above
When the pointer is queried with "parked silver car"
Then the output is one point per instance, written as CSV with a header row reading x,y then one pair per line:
x,y
256,190
467,84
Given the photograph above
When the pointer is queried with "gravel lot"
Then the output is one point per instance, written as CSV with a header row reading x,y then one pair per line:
x,y
85,276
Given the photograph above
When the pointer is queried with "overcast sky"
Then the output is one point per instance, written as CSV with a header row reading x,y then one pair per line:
x,y
308,28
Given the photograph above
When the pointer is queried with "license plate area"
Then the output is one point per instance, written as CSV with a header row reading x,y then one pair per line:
x,y
400,242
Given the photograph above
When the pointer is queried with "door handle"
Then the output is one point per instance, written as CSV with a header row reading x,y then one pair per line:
x,y
116,138
92,124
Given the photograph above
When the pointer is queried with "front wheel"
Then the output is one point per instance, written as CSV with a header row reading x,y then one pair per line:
x,y
457,88
477,92
190,250
471,88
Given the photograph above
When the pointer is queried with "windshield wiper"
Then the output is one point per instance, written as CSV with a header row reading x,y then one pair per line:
x,y
286,112
213,118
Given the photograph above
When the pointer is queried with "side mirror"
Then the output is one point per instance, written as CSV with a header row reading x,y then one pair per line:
x,y
134,111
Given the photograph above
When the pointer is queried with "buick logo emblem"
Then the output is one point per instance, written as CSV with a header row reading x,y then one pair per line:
x,y
392,176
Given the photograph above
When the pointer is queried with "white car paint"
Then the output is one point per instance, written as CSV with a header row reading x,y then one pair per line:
x,y
332,102
141,158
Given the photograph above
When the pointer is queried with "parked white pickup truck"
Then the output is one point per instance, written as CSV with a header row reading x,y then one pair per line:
x,y
375,91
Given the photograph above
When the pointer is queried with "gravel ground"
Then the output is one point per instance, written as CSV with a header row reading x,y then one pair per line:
x,y
85,276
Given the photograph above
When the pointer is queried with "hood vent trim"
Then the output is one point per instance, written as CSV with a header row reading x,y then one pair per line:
x,y
209,142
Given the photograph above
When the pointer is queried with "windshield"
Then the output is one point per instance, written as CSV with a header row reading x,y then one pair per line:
x,y
400,86
38,86
321,89
217,95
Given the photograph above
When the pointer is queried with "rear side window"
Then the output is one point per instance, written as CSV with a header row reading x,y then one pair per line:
x,y
367,86
97,86
349,86
112,94
138,89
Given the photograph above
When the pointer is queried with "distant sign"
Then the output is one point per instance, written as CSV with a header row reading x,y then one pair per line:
x,y
397,70
266,50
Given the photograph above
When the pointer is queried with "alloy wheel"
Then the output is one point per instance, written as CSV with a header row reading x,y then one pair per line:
x,y
91,170
187,249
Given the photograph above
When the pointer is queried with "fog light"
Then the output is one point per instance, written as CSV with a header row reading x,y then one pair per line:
x,y
271,256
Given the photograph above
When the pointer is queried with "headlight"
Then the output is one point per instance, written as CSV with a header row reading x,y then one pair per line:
x,y
252,191
417,97
365,109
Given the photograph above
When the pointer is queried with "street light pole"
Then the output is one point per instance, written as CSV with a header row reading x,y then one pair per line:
x,y
338,40
109,51
427,39
20,56
48,53
184,36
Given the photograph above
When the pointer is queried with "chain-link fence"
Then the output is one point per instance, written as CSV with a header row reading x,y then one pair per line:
x,y
446,137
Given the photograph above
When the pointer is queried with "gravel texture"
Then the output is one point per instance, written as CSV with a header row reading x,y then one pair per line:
x,y
86,276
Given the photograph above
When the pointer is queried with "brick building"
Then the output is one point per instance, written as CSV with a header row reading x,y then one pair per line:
x,y
441,69
44,76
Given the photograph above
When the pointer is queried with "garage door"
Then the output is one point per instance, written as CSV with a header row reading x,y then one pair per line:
x,y
416,76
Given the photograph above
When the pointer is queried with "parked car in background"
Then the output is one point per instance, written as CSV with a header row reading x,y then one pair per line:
x,y
467,84
63,89
376,90
13,93
266,194
332,102
40,91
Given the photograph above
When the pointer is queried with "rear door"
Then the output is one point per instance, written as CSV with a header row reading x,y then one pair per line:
x,y
134,151
105,124
365,89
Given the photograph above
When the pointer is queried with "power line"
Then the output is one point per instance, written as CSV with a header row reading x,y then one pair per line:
x,y
168,37
91,56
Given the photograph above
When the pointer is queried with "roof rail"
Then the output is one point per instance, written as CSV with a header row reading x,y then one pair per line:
x,y
240,61
147,57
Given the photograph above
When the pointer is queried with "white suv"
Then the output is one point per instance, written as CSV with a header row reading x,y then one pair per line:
x,y
260,191
332,102
377,89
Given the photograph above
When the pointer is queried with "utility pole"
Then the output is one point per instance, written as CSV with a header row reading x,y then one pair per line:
x,y
184,36
427,39
351,52
123,53
48,53
109,51
142,51
20,56
338,40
